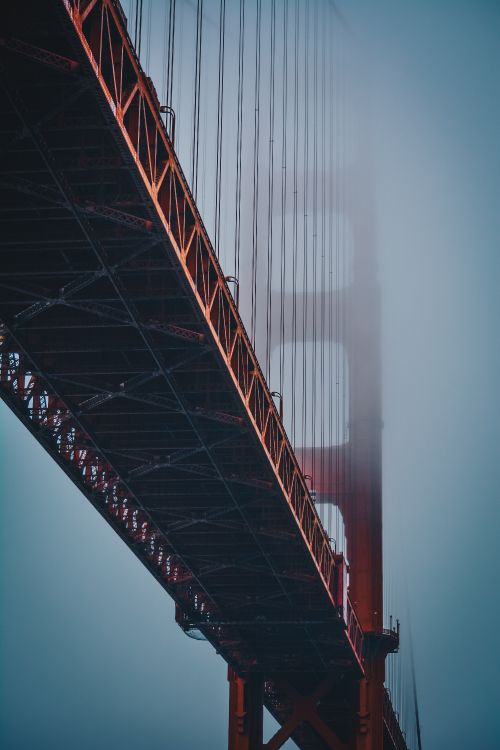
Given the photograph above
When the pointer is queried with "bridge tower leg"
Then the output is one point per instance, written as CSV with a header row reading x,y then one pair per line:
x,y
370,733
364,514
365,558
246,702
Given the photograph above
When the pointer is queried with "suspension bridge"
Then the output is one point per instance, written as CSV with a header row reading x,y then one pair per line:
x,y
143,357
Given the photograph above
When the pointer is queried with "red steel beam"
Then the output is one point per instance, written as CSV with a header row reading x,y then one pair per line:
x,y
134,105
46,412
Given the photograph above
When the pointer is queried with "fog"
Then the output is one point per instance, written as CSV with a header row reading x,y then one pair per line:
x,y
435,84
91,654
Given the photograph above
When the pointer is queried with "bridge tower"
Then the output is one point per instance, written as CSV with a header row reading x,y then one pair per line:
x,y
352,481
363,510
124,353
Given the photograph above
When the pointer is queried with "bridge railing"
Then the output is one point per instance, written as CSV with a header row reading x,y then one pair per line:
x,y
47,415
354,630
135,106
391,722
131,104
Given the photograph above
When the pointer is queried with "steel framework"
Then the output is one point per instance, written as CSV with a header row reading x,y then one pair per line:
x,y
123,351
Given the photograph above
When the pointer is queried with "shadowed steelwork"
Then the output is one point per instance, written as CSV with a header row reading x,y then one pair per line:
x,y
124,353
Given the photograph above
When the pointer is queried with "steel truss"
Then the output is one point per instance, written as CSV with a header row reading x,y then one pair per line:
x,y
123,351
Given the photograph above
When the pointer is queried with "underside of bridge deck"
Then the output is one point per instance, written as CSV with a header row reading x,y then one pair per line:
x,y
123,352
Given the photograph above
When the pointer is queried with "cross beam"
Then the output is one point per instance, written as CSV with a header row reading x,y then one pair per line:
x,y
246,701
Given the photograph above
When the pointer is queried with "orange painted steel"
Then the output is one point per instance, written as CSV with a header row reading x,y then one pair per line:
x,y
334,704
246,706
134,103
393,736
46,412
305,710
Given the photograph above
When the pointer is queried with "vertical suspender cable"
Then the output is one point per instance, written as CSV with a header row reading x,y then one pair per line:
x,y
341,349
220,114
171,53
165,57
305,229
295,216
284,125
270,186
139,37
138,11
180,89
323,260
414,686
337,273
255,205
345,331
203,136
148,36
314,372
197,87
239,139
332,481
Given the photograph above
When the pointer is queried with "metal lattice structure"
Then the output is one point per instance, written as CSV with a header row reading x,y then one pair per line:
x,y
123,351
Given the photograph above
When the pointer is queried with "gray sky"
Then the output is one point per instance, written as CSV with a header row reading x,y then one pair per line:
x,y
435,78
92,656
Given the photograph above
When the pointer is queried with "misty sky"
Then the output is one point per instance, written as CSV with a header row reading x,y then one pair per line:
x,y
92,657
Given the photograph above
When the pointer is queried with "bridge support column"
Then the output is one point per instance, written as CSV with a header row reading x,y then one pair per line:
x,y
370,734
305,711
246,696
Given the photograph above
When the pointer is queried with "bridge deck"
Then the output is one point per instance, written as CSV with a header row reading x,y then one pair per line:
x,y
123,352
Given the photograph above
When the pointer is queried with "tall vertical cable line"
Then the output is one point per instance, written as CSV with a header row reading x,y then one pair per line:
x,y
295,217
220,117
256,151
148,36
204,138
170,54
323,267
305,229
196,112
284,125
338,285
165,50
138,27
418,731
139,36
314,374
239,139
183,133
345,328
270,188
331,483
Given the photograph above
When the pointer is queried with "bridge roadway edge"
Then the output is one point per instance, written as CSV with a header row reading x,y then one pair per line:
x,y
20,411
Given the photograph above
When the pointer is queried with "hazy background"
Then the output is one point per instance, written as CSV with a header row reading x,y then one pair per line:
x,y
91,655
